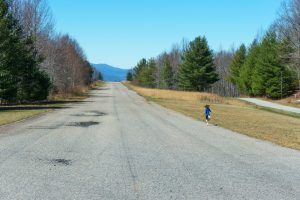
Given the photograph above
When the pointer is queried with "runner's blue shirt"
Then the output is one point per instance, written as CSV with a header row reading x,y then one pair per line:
x,y
207,111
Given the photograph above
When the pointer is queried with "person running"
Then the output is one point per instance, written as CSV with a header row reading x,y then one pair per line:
x,y
207,112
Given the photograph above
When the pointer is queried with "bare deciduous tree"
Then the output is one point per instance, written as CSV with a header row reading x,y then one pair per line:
x,y
288,25
175,58
35,17
224,87
64,59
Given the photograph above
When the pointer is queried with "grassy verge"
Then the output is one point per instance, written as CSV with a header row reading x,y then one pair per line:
x,y
290,114
13,113
7,117
272,125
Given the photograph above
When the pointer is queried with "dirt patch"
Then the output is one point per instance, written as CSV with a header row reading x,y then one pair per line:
x,y
61,162
83,124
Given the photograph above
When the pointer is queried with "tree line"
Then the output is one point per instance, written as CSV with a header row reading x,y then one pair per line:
x,y
36,62
186,67
189,66
269,67
263,69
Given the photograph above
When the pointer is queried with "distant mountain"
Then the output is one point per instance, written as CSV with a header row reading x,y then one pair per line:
x,y
111,73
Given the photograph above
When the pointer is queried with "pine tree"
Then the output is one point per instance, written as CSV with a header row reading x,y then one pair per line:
x,y
21,79
37,87
144,73
197,71
8,82
237,62
271,77
246,71
148,74
139,68
100,76
129,76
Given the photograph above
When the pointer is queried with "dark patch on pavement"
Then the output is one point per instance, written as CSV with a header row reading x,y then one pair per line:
x,y
83,124
61,162
91,113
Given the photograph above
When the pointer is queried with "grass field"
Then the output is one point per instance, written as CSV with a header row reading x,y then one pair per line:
x,y
272,125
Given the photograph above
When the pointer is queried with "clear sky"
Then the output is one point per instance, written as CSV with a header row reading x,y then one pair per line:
x,y
121,32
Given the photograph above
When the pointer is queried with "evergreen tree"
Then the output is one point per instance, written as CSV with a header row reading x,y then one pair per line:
x,y
167,73
8,82
271,77
100,76
246,71
147,76
144,73
37,87
139,68
197,71
21,79
129,76
31,81
237,62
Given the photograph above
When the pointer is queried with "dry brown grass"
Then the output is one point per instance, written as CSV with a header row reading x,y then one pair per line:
x,y
66,98
79,93
177,95
231,114
97,84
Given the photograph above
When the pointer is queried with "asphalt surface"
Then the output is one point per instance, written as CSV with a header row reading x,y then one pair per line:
x,y
138,151
271,105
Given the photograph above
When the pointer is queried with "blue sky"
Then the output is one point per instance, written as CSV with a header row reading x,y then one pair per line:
x,y
121,32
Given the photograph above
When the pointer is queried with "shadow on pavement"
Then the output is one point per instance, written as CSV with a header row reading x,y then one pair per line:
x,y
13,108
